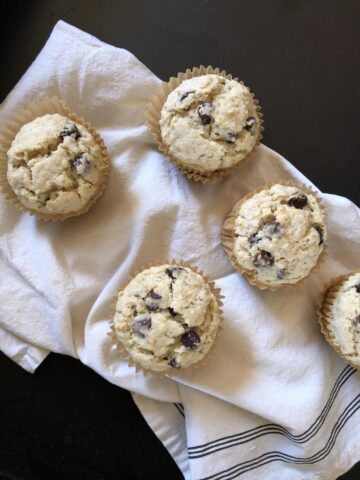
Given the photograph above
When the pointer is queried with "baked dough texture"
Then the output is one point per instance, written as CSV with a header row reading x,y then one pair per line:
x,y
344,318
209,123
279,234
166,317
54,165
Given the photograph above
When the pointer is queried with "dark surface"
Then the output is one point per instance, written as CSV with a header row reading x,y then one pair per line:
x,y
302,60
66,422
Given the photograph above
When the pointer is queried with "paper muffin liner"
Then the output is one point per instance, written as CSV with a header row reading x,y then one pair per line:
x,y
228,239
153,114
121,347
324,310
36,109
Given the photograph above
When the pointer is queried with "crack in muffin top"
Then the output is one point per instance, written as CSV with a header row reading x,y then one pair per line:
x,y
209,123
54,165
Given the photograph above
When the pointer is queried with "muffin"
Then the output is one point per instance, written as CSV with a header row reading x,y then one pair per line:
x,y
276,234
55,166
209,123
339,316
166,318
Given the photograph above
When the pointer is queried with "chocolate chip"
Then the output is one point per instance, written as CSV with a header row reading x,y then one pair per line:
x,y
280,274
250,122
253,239
81,165
70,130
357,287
264,259
231,137
154,295
152,306
150,301
321,234
298,202
272,228
206,119
357,320
172,312
170,271
173,363
190,340
204,111
186,94
141,323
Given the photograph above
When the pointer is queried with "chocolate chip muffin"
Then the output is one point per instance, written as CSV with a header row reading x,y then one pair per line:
x,y
209,123
55,165
339,316
166,318
276,236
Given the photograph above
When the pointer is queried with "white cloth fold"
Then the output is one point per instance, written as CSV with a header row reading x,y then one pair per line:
x,y
273,400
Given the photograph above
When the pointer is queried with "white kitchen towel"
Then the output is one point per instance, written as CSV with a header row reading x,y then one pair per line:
x,y
274,400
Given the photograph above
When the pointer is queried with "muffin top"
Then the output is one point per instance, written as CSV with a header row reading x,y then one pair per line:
x,y
54,165
279,234
209,123
166,317
344,321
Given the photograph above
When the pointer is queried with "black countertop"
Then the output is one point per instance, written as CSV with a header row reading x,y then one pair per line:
x,y
302,60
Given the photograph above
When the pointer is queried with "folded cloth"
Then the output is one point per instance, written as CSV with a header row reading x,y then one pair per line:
x,y
273,400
